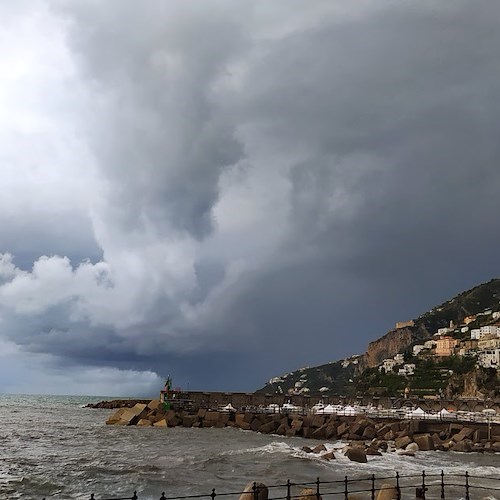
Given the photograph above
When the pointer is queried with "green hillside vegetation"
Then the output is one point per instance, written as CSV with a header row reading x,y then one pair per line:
x,y
468,303
432,376
331,375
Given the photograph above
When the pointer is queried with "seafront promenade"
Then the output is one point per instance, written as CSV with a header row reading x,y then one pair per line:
x,y
213,400
377,406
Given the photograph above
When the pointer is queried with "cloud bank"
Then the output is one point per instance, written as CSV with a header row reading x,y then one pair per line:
x,y
225,191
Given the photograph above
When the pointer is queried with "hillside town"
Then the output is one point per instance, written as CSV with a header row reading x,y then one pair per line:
x,y
478,337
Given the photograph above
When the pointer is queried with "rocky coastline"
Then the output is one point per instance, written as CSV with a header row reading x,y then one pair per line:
x,y
363,436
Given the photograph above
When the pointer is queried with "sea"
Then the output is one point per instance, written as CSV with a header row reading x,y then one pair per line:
x,y
53,447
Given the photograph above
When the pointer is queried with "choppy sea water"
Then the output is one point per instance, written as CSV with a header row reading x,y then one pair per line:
x,y
52,447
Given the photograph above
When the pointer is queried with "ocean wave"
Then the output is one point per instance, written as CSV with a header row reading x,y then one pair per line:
x,y
270,448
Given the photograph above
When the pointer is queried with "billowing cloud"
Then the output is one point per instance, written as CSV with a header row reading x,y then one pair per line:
x,y
220,188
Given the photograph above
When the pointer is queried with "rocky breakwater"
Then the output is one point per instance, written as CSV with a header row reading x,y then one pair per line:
x,y
117,403
365,435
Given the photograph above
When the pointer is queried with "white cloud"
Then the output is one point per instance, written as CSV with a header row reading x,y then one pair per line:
x,y
22,373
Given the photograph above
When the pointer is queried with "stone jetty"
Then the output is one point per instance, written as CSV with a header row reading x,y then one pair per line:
x,y
117,403
366,436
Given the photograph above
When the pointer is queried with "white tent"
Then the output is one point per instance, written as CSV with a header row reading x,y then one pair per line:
x,y
328,409
418,413
229,407
348,411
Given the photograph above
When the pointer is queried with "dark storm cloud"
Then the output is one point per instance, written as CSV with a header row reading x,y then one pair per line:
x,y
160,138
278,191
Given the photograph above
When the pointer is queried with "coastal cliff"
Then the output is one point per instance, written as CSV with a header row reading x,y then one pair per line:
x,y
387,346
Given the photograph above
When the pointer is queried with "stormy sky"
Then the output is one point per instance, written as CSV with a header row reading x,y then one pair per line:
x,y
225,191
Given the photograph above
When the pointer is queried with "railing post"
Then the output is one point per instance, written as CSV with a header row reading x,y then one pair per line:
x,y
288,490
91,496
398,489
318,496
255,491
373,486
213,494
163,497
423,484
346,491
135,497
467,486
442,484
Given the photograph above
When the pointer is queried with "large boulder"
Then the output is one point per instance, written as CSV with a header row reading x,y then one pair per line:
x,y
268,427
174,422
342,428
160,423
424,441
251,489
436,439
115,418
319,448
356,454
382,431
388,492
307,432
131,416
189,420
153,404
320,432
138,408
412,447
465,433
248,417
389,436
369,432
464,446
308,494
356,428
317,421
328,456
211,418
402,442
256,424
281,430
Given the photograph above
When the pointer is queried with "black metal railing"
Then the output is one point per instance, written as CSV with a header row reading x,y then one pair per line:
x,y
420,486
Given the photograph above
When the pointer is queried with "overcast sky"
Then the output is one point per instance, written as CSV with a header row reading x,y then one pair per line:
x,y
227,190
